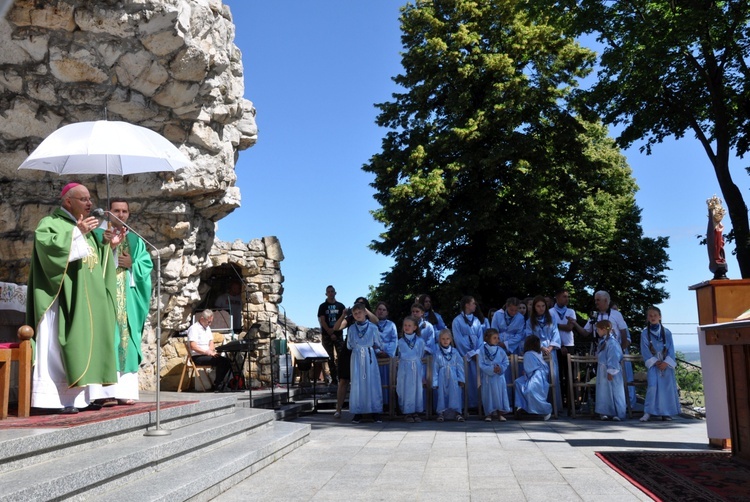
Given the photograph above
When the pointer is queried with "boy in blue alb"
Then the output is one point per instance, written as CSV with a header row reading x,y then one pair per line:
x,y
610,390
532,387
366,395
410,376
468,336
492,363
657,347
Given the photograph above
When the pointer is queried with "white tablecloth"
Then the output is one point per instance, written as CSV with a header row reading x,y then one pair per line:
x,y
12,296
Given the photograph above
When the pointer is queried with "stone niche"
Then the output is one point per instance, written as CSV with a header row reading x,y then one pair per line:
x,y
170,66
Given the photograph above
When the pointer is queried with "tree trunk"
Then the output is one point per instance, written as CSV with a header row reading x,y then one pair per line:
x,y
737,212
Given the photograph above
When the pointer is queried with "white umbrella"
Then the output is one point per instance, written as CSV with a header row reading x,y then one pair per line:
x,y
105,147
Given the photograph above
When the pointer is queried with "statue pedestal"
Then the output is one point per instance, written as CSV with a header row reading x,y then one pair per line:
x,y
720,301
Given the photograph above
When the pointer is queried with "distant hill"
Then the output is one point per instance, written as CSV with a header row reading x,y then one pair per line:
x,y
693,357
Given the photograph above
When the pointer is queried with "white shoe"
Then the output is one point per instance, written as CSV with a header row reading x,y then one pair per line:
x,y
546,417
616,419
645,417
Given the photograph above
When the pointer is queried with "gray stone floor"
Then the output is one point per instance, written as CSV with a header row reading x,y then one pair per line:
x,y
472,461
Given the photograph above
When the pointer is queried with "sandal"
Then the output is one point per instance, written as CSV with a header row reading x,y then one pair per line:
x,y
441,418
459,418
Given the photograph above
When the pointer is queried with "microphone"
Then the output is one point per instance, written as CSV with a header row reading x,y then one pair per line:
x,y
97,212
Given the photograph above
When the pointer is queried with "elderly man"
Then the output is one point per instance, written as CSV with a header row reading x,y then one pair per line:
x,y
202,348
606,312
71,303
133,274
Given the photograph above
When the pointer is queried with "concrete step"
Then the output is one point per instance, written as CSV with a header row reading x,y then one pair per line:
x,y
206,476
208,440
22,447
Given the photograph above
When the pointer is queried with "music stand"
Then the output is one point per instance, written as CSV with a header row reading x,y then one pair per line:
x,y
312,353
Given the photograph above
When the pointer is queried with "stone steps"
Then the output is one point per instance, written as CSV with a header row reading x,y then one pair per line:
x,y
212,446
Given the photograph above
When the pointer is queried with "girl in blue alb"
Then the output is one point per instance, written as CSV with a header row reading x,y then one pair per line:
x,y
542,325
533,386
610,390
388,339
429,313
510,324
657,348
410,376
468,334
426,330
492,363
366,395
448,377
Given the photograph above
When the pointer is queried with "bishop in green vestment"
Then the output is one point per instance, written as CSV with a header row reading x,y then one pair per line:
x,y
71,304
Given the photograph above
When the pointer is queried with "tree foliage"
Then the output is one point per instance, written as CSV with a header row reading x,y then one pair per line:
x,y
488,184
672,68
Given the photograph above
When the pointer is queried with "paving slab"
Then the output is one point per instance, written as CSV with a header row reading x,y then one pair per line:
x,y
469,461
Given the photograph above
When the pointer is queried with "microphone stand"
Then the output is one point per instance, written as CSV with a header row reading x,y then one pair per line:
x,y
158,431
286,358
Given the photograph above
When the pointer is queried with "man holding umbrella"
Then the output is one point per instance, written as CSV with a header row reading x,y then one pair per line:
x,y
133,275
71,304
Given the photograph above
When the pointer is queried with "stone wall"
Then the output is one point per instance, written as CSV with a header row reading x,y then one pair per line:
x,y
170,66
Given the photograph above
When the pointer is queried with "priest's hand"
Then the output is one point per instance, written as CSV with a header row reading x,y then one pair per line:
x,y
125,260
87,225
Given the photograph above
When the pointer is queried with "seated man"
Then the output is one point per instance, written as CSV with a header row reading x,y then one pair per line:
x,y
202,348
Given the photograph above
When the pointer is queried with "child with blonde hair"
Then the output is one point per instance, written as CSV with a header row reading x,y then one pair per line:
x,y
448,377
610,392
493,362
410,375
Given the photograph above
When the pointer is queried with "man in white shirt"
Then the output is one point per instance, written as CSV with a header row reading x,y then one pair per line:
x,y
565,317
202,348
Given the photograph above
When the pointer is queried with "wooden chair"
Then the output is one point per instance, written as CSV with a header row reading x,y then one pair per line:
x,y
192,370
428,391
19,352
631,358
579,377
518,369
390,387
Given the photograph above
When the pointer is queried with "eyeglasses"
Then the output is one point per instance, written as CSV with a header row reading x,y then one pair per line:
x,y
82,199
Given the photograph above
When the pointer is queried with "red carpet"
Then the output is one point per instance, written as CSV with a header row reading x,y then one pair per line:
x,y
683,476
41,419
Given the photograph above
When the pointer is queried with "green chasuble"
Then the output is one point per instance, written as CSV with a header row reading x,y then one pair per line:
x,y
85,289
132,301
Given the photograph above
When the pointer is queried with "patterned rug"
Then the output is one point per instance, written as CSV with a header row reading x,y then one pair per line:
x,y
683,476
43,419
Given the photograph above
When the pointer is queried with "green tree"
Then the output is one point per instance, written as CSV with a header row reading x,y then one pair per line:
x,y
671,68
488,184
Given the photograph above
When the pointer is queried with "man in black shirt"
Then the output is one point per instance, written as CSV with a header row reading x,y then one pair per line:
x,y
328,313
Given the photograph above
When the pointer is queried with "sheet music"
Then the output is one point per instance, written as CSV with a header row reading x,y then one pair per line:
x,y
308,350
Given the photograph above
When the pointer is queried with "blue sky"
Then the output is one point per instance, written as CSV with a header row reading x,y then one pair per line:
x,y
314,71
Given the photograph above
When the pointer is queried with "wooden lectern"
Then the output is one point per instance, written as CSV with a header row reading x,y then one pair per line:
x,y
719,303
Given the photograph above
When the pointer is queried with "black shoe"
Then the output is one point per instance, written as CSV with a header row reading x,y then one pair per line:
x,y
376,418
356,418
69,410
